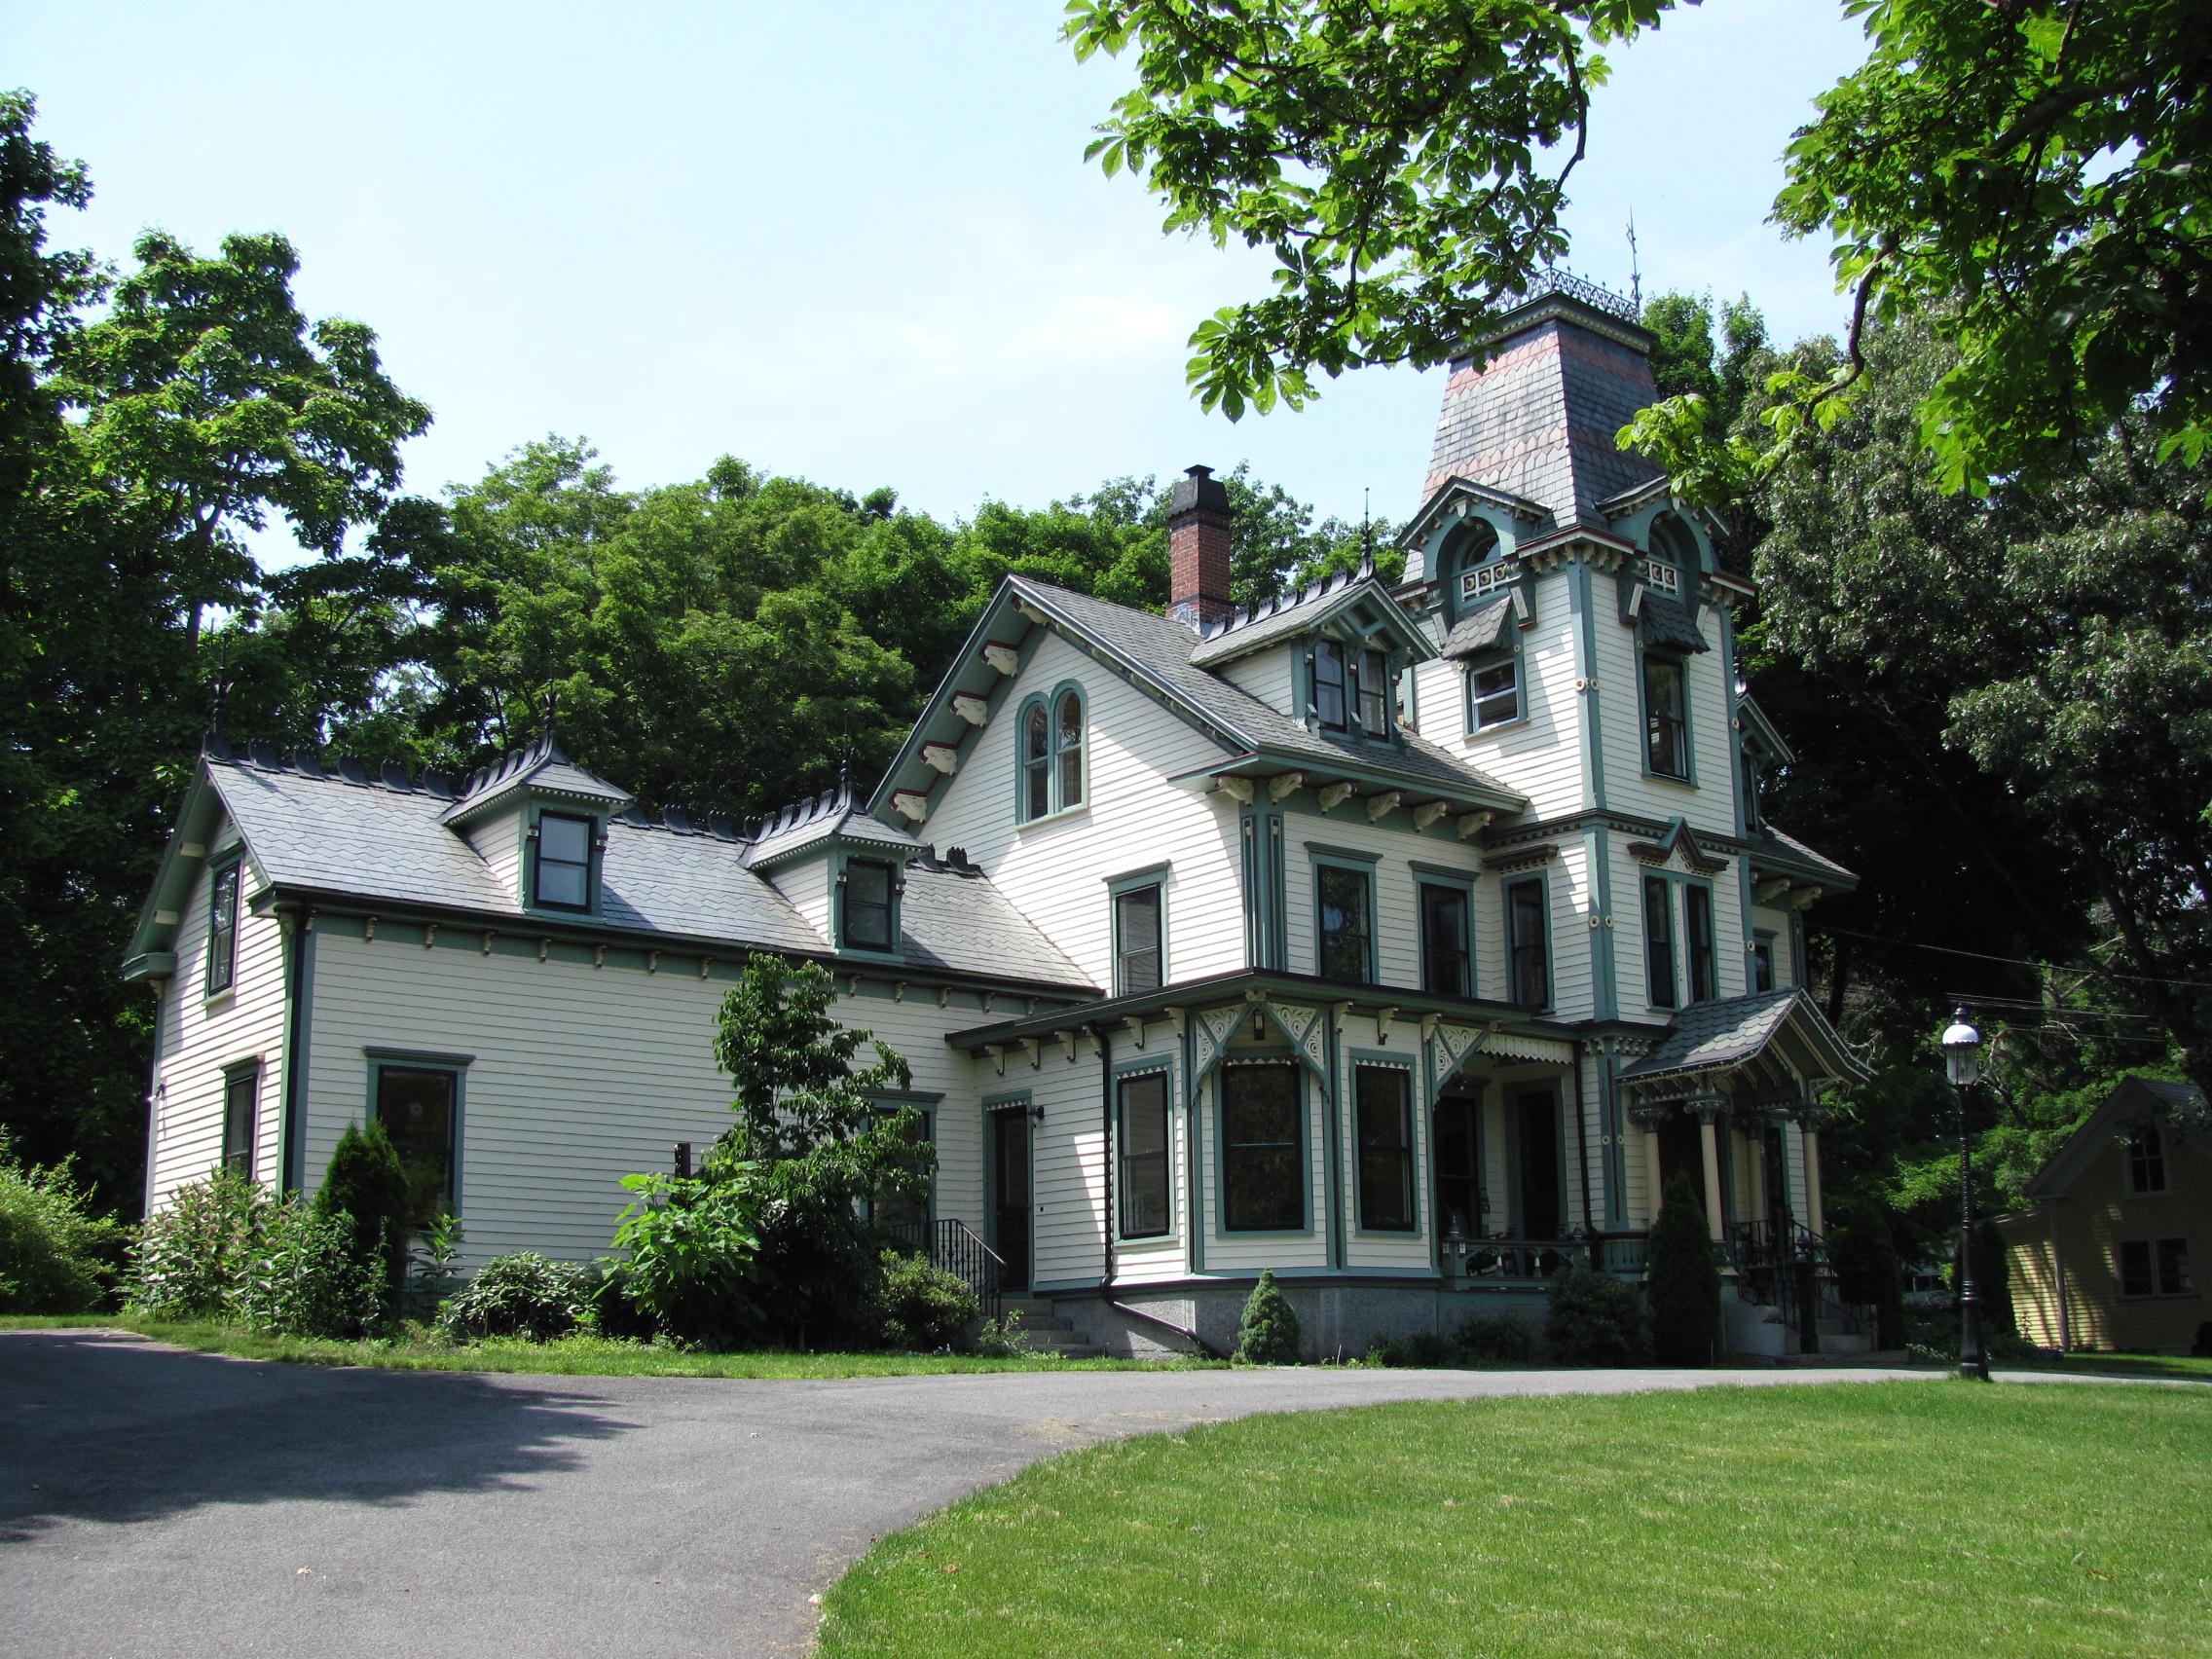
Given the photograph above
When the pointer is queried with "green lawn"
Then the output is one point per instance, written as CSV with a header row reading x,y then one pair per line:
x,y
2117,1365
1852,1521
581,1356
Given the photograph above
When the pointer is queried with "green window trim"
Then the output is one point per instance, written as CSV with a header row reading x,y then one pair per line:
x,y
242,1115
564,850
1701,942
1139,966
1527,952
396,1065
226,881
1663,728
1342,884
1387,1160
1662,973
1144,1151
1226,1171
856,878
1051,749
1438,946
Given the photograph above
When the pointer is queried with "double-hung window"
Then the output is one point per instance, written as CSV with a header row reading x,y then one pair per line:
x,y
1345,899
239,1091
1067,744
1527,944
1762,962
1263,1148
1666,742
1137,954
867,894
417,1107
563,880
1493,691
1051,740
1697,926
1383,1098
222,928
2153,1267
1145,1200
2147,1161
1447,965
1659,941
1332,690
1374,694
1036,761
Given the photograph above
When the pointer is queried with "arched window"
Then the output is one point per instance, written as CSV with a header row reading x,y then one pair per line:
x,y
1472,571
1067,742
1036,761
1672,542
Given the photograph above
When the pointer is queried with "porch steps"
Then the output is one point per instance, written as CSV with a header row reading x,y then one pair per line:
x,y
1046,1330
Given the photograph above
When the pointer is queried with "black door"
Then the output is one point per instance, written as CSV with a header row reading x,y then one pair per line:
x,y
1459,1182
1543,1211
1009,1197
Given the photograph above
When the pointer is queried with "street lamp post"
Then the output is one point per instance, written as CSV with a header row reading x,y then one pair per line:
x,y
1962,1060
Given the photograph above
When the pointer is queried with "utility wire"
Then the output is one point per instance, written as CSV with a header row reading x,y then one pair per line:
x,y
2016,961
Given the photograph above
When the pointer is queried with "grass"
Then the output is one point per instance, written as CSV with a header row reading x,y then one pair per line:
x,y
2117,1365
1866,1521
573,1356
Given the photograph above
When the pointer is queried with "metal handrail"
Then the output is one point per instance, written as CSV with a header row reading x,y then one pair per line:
x,y
952,1247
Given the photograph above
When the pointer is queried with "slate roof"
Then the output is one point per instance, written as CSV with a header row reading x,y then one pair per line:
x,y
1715,1035
1667,622
372,843
832,816
540,765
1262,626
1480,631
1788,849
1164,647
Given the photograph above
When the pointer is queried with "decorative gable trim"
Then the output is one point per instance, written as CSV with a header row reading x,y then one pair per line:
x,y
1678,840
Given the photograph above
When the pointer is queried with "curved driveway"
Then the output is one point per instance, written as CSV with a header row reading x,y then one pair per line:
x,y
160,1504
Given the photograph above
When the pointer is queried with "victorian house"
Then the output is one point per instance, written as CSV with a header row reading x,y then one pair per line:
x,y
1404,939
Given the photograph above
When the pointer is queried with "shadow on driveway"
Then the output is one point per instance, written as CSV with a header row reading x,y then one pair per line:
x,y
105,1427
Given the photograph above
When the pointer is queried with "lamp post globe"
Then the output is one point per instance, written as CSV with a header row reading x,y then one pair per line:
x,y
1962,1061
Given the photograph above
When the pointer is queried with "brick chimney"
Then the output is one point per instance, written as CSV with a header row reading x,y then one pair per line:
x,y
1198,550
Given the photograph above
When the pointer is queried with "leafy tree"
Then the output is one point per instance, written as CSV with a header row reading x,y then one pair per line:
x,y
56,1257
2028,174
1681,1282
1268,1334
366,1184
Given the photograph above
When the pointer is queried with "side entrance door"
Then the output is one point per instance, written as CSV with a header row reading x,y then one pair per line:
x,y
1010,1201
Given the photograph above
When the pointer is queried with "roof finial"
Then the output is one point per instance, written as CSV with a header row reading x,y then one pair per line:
x,y
845,774
548,737
217,742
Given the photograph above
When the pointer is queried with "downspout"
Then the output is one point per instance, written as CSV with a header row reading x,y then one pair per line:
x,y
1582,1145
1193,1244
153,1092
291,1158
1106,1148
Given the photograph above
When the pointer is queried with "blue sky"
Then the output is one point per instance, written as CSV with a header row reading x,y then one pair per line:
x,y
851,241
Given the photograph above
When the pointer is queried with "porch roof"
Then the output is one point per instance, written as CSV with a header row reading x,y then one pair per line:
x,y
1772,1036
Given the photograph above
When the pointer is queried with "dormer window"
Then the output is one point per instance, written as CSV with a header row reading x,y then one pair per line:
x,y
864,920
1664,578
1374,694
562,880
1352,690
1330,690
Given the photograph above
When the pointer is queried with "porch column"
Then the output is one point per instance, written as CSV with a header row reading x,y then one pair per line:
x,y
1811,1115
1758,1181
1707,1108
1648,1118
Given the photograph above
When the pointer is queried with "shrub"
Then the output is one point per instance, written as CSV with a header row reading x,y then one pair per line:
x,y
1269,1333
1495,1338
1681,1282
192,1253
1420,1350
52,1252
1993,1278
365,1183
1595,1318
924,1308
430,1277
523,1294
302,1278
692,1243
1004,1338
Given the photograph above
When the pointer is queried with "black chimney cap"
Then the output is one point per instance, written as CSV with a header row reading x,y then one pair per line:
x,y
1198,491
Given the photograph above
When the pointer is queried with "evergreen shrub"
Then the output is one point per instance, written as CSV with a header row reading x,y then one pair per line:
x,y
191,1255
53,1255
302,1278
1423,1351
1595,1318
1495,1338
1681,1281
924,1308
1269,1333
365,1183
523,1294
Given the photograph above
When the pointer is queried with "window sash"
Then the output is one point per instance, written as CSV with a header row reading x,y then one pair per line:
x,y
1345,898
1067,740
1762,962
1444,952
1036,761
1528,950
2146,1162
1659,943
1666,731
868,905
1263,1174
222,929
1374,694
1697,916
1137,954
240,1096
2133,1260
1328,687
416,1106
1496,688
1147,1200
2173,1266
1384,1135
563,877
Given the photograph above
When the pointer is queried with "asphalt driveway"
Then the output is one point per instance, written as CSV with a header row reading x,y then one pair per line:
x,y
159,1505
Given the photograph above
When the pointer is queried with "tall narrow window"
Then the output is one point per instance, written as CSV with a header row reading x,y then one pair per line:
x,y
868,905
1263,1185
1495,689
239,1089
1444,953
563,862
1665,748
1328,687
2147,1161
1137,963
1067,738
1527,944
1144,1156
417,1110
1374,694
222,929
1344,897
1383,1097
2134,1262
1659,941
2173,1266
1458,1178
1697,925
1762,962
1036,761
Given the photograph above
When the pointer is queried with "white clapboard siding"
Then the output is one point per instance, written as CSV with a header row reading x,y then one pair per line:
x,y
806,884
202,1036
1052,871
1571,950
1711,804
1269,675
1067,1162
1777,923
1541,755
498,840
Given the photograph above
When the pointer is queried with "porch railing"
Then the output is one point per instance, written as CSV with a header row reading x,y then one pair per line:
x,y
953,1248
1506,1258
